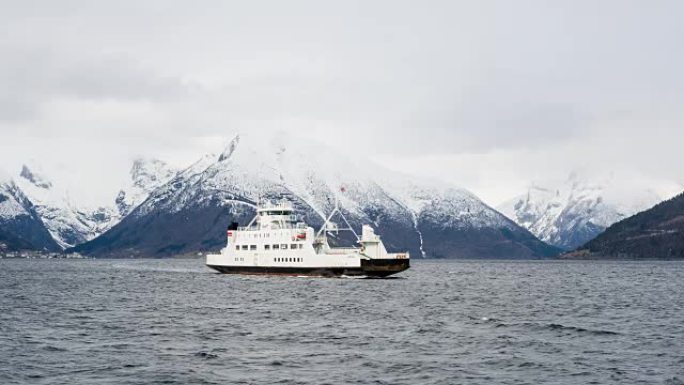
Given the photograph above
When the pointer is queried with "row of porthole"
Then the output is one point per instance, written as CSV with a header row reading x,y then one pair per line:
x,y
288,259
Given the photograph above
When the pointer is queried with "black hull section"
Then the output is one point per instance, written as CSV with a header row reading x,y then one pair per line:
x,y
369,268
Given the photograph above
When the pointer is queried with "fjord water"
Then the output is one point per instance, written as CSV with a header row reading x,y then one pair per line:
x,y
475,322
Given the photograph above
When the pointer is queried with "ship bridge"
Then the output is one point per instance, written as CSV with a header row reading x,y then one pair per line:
x,y
275,216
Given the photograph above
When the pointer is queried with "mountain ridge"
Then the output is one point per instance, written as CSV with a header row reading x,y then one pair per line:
x,y
657,233
571,213
190,212
21,228
68,223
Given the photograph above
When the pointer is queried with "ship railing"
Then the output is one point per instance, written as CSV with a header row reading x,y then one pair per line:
x,y
284,226
341,250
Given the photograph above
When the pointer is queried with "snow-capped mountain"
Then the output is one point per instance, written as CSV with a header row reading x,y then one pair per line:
x,y
191,212
571,213
68,223
146,176
656,233
20,226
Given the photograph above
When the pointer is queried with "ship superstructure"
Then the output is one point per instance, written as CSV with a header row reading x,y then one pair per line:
x,y
276,242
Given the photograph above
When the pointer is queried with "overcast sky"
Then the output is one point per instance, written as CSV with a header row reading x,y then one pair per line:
x,y
489,95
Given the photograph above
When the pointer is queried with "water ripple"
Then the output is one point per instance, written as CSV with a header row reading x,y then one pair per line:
x,y
175,322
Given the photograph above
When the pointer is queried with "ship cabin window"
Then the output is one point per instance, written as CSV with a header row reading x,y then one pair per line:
x,y
276,247
267,247
244,247
283,246
293,246
252,247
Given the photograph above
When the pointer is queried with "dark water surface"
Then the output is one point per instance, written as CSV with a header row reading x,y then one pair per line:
x,y
176,322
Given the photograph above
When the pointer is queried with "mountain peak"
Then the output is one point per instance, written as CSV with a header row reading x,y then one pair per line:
x,y
145,172
230,148
35,178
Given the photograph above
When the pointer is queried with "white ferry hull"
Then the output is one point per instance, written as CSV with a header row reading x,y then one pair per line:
x,y
369,268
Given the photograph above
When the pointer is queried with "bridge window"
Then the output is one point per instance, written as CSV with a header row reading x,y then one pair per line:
x,y
244,247
267,247
301,246
283,246
279,212
293,246
237,247
276,247
252,247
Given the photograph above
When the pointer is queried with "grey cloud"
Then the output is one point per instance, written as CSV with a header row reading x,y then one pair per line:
x,y
396,77
32,76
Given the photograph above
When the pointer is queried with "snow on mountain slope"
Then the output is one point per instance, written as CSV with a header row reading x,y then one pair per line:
x,y
68,223
192,210
569,214
146,175
71,223
20,226
11,204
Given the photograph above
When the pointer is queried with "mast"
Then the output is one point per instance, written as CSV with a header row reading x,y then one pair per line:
x,y
327,222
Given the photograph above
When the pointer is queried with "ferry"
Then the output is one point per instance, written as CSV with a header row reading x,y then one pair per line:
x,y
276,243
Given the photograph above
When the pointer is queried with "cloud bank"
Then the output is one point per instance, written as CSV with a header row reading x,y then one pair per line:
x,y
487,94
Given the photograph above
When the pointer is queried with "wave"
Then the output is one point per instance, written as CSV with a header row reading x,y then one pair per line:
x,y
554,326
562,328
547,326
